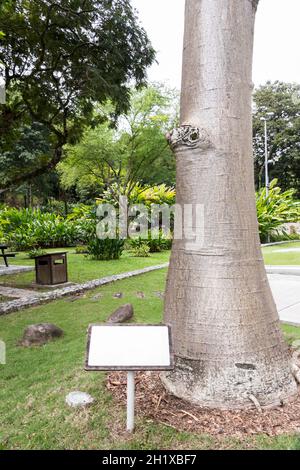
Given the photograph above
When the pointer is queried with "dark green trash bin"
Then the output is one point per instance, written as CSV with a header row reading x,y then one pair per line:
x,y
51,269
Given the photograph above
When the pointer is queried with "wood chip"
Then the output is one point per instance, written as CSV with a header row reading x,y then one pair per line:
x,y
189,414
154,403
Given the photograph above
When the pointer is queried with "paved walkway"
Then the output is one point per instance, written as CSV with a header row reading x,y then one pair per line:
x,y
15,292
14,269
286,292
291,270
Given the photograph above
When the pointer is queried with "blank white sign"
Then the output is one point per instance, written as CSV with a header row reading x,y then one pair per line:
x,y
129,347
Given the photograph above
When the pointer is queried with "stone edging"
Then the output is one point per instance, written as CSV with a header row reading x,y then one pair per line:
x,y
40,298
280,243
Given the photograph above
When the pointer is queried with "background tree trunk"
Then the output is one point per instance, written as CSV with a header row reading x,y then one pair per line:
x,y
228,345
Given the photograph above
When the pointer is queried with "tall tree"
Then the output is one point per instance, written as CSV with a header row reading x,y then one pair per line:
x,y
229,350
61,57
283,100
135,151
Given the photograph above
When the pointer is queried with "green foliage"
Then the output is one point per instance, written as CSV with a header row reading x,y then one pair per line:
x,y
114,160
147,195
105,249
56,207
140,250
62,57
283,235
283,100
27,228
276,209
80,211
159,194
36,252
31,148
81,249
156,242
159,242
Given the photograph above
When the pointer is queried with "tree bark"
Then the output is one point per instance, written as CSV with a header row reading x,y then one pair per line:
x,y
229,350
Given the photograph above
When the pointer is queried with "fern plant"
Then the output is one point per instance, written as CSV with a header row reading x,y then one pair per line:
x,y
275,209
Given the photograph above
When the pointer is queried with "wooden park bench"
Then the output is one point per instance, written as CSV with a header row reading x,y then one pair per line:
x,y
6,255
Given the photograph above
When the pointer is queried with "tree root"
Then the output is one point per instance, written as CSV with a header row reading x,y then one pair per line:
x,y
296,372
256,403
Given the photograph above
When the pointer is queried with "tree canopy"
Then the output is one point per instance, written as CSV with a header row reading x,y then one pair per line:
x,y
59,59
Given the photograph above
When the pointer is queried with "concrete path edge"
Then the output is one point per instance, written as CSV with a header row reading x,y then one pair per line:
x,y
41,298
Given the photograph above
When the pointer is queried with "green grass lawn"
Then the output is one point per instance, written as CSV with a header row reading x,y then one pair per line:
x,y
274,255
35,381
81,268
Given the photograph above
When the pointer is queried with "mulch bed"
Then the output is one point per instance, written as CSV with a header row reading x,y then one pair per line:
x,y
155,404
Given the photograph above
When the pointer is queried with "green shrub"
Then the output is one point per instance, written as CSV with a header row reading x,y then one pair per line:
x,y
160,194
275,210
156,244
147,195
80,211
26,229
36,252
141,251
44,233
159,242
282,236
81,249
105,249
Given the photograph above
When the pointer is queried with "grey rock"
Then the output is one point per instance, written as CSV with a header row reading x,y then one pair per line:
x,y
122,314
97,297
159,294
140,295
40,334
77,398
118,295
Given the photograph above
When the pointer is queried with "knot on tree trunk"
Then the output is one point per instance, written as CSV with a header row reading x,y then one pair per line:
x,y
255,4
189,136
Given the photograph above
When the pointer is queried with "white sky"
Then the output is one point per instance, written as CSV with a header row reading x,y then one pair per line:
x,y
277,39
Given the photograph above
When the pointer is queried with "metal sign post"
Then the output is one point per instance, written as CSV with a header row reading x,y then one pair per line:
x,y
130,400
129,348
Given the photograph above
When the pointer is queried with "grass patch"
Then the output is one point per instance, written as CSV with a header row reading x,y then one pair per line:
x,y
35,381
274,256
82,269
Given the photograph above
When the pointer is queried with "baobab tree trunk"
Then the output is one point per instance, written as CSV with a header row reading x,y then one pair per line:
x,y
229,350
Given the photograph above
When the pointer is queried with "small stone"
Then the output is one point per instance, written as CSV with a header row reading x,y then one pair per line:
x,y
159,294
40,334
122,314
97,297
118,295
76,399
140,295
